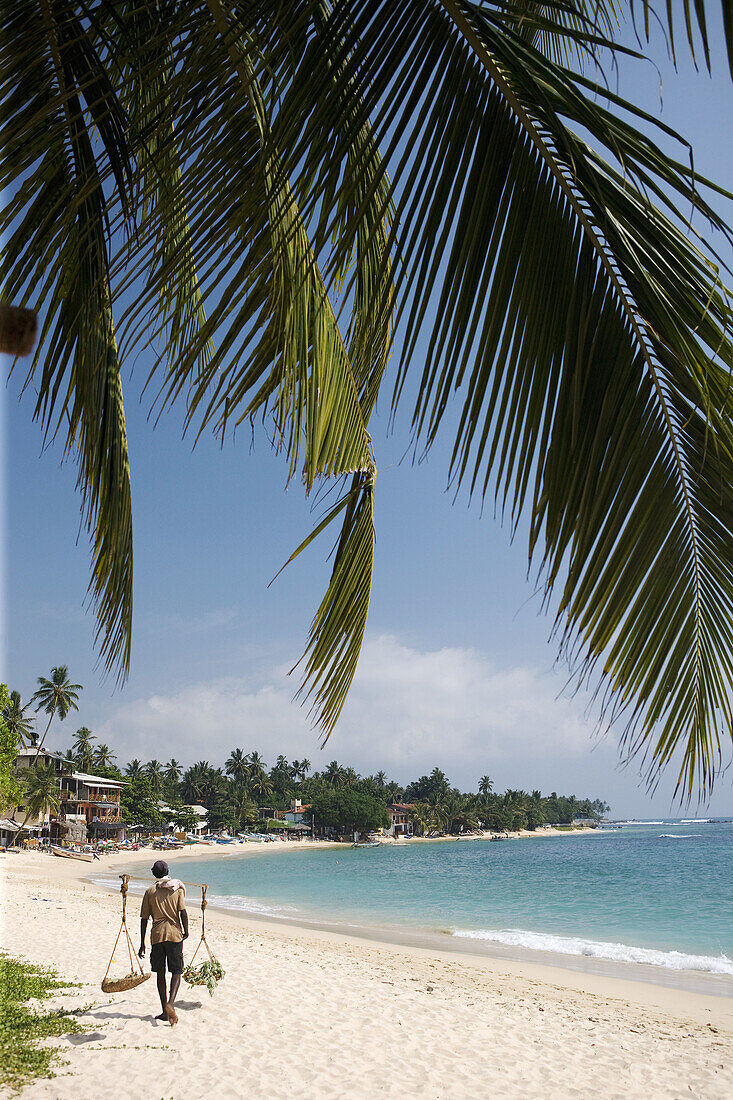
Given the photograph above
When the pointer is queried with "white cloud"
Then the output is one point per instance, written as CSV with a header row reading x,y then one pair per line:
x,y
408,711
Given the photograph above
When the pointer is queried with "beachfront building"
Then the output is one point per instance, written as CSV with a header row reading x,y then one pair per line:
x,y
400,822
202,815
298,814
93,802
89,805
29,757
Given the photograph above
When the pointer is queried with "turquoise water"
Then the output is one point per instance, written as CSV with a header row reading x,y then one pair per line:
x,y
659,894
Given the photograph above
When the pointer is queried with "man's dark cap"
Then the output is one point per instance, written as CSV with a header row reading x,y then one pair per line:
x,y
160,868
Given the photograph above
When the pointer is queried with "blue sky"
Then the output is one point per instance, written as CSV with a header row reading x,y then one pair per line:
x,y
458,669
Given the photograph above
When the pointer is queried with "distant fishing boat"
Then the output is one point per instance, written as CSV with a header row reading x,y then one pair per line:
x,y
66,853
370,842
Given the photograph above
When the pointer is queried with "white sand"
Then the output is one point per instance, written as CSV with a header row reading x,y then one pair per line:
x,y
312,1014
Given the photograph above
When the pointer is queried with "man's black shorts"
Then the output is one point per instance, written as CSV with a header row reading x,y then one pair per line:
x,y
167,952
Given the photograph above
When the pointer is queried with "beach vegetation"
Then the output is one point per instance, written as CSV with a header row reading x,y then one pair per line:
x,y
264,201
134,769
103,757
41,794
56,696
20,724
349,811
139,803
186,819
22,1028
81,750
11,792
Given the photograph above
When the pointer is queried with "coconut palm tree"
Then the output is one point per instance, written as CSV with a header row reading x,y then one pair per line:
x,y
260,785
172,775
20,725
82,748
242,804
134,769
55,696
155,773
201,783
449,165
485,785
255,763
237,764
335,774
104,757
42,795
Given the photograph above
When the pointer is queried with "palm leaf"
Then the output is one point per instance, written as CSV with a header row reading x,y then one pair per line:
x,y
580,331
693,14
597,401
60,225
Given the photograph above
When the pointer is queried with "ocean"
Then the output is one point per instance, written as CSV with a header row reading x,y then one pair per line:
x,y
657,896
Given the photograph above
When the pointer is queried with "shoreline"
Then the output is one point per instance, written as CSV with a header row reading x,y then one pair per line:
x,y
701,983
338,1014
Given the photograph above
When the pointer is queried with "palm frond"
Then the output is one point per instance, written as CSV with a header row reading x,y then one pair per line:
x,y
337,631
263,186
584,334
693,15
60,226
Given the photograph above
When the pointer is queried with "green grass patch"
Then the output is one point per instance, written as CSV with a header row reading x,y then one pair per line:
x,y
21,1028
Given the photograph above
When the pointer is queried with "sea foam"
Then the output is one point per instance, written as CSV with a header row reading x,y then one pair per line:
x,y
618,952
677,836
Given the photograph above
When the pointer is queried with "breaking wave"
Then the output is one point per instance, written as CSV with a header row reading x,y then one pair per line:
x,y
677,836
618,952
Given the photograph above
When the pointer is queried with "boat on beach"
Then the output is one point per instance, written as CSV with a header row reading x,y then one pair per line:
x,y
68,853
368,842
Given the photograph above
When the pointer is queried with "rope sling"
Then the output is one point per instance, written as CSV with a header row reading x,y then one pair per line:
x,y
204,903
137,975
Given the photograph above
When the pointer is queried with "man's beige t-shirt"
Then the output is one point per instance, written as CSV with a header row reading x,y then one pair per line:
x,y
164,906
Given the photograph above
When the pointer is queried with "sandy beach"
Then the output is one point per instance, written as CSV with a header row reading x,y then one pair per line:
x,y
331,1016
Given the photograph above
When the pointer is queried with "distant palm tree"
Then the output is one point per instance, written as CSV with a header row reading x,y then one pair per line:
x,y
255,763
335,774
242,804
172,774
154,772
201,783
134,769
83,752
261,786
485,785
103,756
381,778
55,696
237,764
42,794
20,725
305,767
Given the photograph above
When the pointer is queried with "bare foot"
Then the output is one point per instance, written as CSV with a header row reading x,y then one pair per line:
x,y
163,1016
171,1014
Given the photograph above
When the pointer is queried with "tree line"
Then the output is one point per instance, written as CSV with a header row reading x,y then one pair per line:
x,y
242,792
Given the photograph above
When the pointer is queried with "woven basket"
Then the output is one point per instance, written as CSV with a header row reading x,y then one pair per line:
x,y
119,985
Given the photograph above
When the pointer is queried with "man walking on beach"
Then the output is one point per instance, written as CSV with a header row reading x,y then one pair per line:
x,y
165,902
